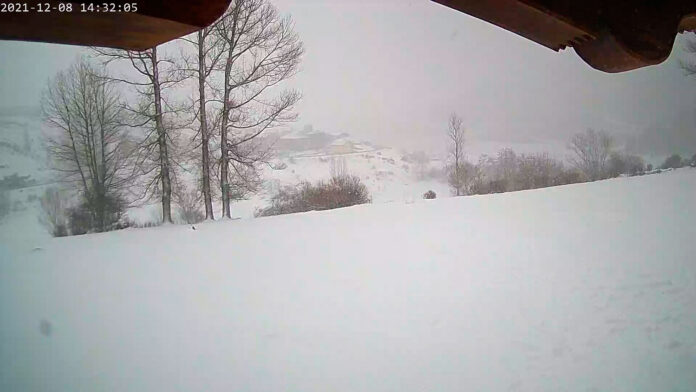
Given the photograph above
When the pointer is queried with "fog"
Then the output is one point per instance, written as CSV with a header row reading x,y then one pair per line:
x,y
392,71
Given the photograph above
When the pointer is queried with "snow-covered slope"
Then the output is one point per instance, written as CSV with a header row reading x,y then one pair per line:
x,y
389,174
21,147
575,288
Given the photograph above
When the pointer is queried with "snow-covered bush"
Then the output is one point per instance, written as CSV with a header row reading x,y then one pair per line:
x,y
429,194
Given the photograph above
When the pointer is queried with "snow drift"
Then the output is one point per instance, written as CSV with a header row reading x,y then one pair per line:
x,y
575,288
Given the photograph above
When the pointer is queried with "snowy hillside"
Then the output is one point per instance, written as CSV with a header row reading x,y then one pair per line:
x,y
389,174
21,149
300,156
575,288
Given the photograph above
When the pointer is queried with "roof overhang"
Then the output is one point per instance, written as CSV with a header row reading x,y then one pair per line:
x,y
612,36
154,22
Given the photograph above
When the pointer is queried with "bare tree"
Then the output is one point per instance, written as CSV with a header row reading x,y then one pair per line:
x,y
591,151
261,51
209,51
457,170
88,143
156,74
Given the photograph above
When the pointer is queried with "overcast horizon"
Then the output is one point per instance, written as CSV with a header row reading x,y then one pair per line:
x,y
392,72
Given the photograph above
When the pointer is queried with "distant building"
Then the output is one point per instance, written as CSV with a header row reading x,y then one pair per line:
x,y
341,146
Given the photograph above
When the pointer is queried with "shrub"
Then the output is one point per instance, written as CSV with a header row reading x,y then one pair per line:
x,y
429,195
616,164
634,165
53,212
570,177
188,207
497,186
625,164
674,161
107,212
482,187
649,167
536,171
338,192
79,219
97,214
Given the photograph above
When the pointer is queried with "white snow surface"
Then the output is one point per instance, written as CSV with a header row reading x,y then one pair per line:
x,y
575,288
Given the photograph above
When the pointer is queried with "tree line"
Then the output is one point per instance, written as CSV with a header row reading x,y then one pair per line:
x,y
593,156
195,107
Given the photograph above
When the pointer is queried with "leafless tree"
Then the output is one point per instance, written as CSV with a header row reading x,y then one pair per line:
x,y
209,50
457,169
156,73
590,153
87,142
261,51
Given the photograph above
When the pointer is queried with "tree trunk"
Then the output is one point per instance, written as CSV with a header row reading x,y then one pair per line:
x,y
205,142
162,143
224,154
224,161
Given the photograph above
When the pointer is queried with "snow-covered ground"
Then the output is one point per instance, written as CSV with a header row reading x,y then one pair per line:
x,y
575,288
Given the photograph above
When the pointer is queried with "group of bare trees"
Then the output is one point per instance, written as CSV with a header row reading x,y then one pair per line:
x,y
593,157
123,150
89,145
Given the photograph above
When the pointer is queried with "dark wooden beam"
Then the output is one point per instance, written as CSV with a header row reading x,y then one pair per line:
x,y
154,22
612,36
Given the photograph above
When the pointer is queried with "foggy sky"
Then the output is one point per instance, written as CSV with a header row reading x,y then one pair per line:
x,y
392,71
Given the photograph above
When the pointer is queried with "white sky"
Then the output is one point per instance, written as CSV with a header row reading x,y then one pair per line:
x,y
392,71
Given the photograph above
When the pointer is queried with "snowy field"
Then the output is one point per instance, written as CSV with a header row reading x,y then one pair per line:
x,y
576,288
